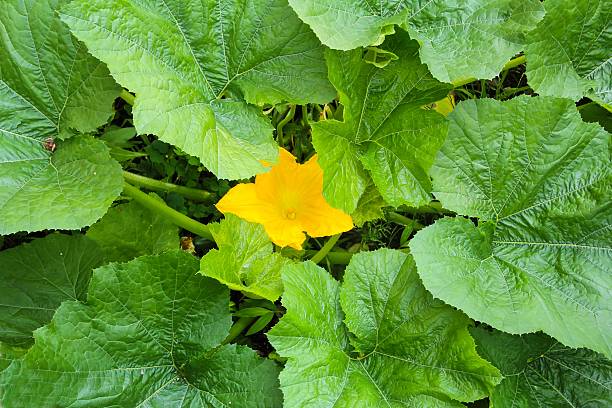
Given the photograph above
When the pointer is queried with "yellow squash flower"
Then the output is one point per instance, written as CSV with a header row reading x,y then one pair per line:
x,y
288,201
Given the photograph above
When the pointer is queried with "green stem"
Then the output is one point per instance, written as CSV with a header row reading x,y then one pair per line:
x,y
127,97
399,219
334,257
282,123
331,242
160,207
433,207
510,92
156,185
316,112
513,63
328,113
238,327
581,107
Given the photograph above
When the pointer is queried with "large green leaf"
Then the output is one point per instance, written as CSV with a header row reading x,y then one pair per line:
x,y
540,258
369,207
36,277
459,38
408,348
244,260
148,336
384,130
130,230
67,189
183,57
7,355
540,372
50,87
568,54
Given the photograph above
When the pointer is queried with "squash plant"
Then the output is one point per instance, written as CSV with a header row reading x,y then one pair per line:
x,y
169,168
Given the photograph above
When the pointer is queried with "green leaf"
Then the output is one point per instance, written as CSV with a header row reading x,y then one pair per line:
x,y
181,57
244,260
540,372
384,130
49,85
67,189
119,137
459,39
130,230
409,349
118,141
260,324
7,355
568,54
37,277
149,335
369,206
253,312
378,57
540,180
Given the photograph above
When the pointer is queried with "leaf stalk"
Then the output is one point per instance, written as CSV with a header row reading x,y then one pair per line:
x,y
171,214
157,185
127,97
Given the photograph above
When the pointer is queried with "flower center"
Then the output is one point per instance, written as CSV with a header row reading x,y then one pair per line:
x,y
290,214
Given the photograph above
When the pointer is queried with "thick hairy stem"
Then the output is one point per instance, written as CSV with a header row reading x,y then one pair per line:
x,y
127,97
156,185
160,207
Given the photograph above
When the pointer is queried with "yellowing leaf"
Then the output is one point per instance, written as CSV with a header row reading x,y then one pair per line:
x,y
444,106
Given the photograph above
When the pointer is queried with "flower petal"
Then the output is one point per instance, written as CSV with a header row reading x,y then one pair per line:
x,y
242,200
286,233
310,177
321,220
287,200
318,218
271,185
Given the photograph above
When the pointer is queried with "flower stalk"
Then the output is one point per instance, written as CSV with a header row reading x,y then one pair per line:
x,y
329,245
334,257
